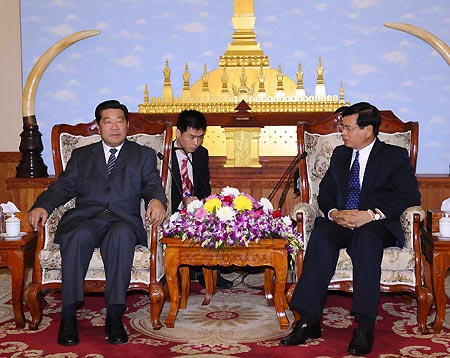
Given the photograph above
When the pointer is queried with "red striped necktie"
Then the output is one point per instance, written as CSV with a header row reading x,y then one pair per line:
x,y
188,188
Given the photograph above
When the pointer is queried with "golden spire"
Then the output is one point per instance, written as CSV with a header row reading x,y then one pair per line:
x,y
186,77
320,86
341,93
205,87
146,94
167,88
186,92
299,77
319,71
224,79
244,50
300,91
280,88
243,92
261,79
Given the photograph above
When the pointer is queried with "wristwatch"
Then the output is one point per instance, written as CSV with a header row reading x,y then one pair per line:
x,y
375,215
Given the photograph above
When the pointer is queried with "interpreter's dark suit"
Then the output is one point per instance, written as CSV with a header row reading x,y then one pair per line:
x,y
389,184
85,178
202,188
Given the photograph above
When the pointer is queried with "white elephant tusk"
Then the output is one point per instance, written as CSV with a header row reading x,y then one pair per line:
x,y
29,91
429,38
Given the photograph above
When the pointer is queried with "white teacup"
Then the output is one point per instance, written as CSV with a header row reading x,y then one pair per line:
x,y
12,226
444,226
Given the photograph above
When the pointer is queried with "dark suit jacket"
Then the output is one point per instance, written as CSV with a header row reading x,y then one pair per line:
x,y
202,188
389,184
135,177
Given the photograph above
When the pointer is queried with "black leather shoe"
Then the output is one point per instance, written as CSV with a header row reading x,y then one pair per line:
x,y
115,331
68,331
221,281
362,341
301,333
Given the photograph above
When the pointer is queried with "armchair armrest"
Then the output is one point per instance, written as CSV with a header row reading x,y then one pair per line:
x,y
407,221
304,214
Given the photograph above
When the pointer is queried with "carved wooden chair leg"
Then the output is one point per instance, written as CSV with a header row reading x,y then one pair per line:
x,y
35,303
425,300
156,303
425,297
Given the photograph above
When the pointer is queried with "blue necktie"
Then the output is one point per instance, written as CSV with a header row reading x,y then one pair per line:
x,y
111,160
353,187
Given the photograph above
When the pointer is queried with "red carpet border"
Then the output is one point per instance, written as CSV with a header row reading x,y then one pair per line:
x,y
237,323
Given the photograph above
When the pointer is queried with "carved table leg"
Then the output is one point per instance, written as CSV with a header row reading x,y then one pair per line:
x,y
269,286
185,285
17,266
440,265
280,268
210,276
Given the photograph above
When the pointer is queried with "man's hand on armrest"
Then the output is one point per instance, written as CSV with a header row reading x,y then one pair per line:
x,y
156,212
35,215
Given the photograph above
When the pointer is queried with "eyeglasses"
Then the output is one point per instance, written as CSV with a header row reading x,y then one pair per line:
x,y
342,127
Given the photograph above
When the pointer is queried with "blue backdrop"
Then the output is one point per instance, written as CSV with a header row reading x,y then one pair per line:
x,y
389,68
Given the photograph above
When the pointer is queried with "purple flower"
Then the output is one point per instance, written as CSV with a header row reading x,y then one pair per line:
x,y
218,229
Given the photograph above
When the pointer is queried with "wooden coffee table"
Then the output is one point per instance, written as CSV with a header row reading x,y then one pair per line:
x,y
269,253
15,254
436,251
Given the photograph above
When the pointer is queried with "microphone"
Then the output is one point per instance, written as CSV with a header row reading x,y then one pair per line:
x,y
287,173
161,157
193,171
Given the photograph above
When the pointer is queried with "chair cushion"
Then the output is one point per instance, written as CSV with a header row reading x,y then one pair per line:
x,y
395,260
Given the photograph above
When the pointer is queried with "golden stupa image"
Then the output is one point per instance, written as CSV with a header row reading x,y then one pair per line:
x,y
244,74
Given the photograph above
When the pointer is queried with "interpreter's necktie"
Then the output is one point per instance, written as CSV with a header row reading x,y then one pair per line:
x,y
354,186
111,160
188,188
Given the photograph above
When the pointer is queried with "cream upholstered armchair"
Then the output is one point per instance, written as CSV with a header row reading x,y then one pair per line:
x,y
401,269
148,264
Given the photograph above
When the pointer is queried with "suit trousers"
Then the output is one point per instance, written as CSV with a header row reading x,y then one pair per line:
x,y
365,247
78,240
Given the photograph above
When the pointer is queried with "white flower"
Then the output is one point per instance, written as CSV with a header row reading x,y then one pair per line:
x,y
229,191
266,204
174,216
226,213
194,205
286,220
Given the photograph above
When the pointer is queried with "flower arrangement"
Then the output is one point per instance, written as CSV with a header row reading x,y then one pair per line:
x,y
231,219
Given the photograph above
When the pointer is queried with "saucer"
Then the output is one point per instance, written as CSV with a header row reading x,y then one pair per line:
x,y
438,235
12,238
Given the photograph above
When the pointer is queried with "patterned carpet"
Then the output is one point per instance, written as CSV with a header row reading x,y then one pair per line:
x,y
238,323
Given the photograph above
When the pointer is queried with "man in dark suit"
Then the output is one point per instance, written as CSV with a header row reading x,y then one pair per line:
x,y
367,187
190,132
108,179
191,159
